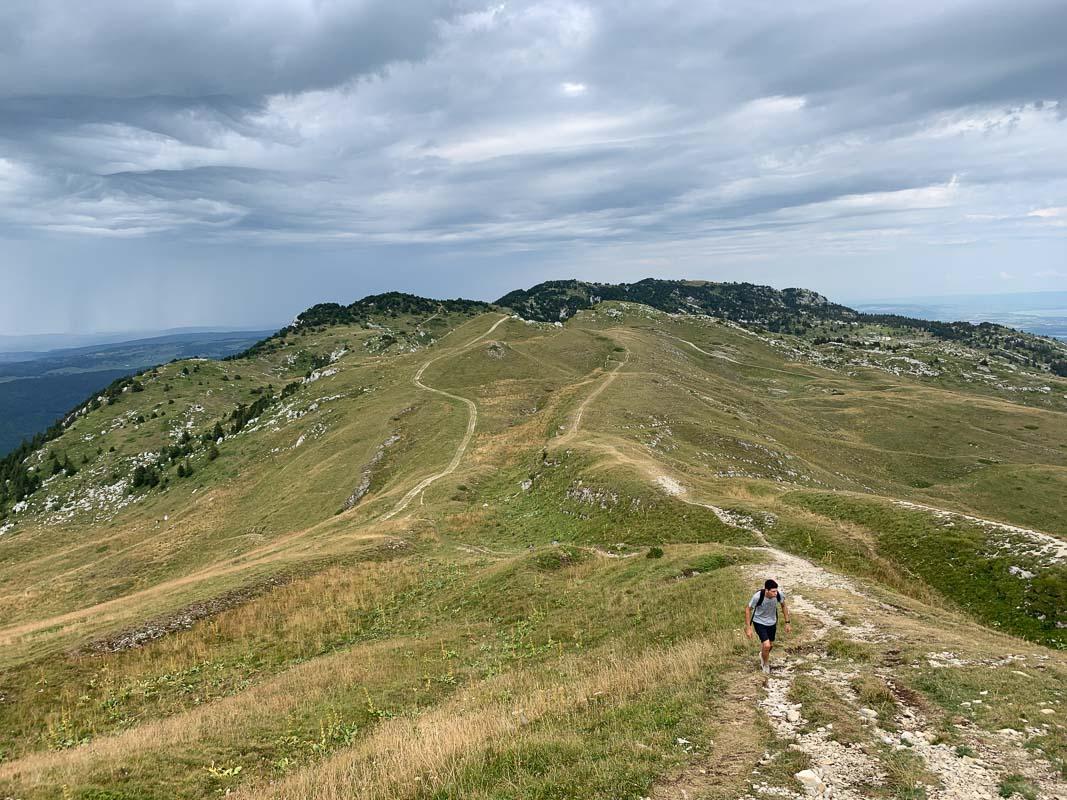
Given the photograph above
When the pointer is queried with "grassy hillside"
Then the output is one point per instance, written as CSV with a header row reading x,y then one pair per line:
x,y
408,549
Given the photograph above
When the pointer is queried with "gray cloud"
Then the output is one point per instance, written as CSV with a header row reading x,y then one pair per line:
x,y
740,137
189,49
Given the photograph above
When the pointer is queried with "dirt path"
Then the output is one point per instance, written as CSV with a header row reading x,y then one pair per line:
x,y
852,770
472,423
609,378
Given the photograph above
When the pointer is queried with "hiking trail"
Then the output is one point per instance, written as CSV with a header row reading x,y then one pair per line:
x,y
853,770
472,423
609,378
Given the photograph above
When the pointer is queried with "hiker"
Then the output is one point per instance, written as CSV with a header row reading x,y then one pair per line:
x,y
761,613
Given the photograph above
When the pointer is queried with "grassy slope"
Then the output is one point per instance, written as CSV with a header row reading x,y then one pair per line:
x,y
494,634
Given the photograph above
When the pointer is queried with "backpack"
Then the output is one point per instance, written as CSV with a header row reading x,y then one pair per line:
x,y
762,594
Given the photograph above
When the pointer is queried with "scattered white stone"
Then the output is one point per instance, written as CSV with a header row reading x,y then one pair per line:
x,y
1049,549
321,373
670,485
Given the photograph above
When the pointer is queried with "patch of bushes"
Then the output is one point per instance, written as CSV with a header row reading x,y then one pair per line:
x,y
145,476
559,557
707,563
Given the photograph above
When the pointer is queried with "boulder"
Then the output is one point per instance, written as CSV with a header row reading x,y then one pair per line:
x,y
811,781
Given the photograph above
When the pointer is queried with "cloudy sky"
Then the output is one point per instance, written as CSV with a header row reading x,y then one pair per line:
x,y
199,162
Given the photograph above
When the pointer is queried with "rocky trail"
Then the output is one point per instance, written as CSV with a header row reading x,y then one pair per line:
x,y
850,767
854,770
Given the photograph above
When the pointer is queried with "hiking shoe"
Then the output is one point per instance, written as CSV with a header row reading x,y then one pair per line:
x,y
766,668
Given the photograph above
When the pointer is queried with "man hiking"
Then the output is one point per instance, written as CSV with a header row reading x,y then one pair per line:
x,y
761,613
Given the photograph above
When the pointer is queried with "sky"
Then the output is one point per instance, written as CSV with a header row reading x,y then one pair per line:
x,y
191,162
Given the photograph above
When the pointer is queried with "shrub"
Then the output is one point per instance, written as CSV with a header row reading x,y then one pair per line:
x,y
558,558
1017,785
708,563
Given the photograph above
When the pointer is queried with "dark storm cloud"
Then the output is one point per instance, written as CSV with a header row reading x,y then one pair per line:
x,y
189,49
736,132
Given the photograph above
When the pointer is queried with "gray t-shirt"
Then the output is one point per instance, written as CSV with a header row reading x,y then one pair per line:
x,y
767,612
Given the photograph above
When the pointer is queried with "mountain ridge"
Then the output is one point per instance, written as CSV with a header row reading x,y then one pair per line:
x,y
453,550
778,310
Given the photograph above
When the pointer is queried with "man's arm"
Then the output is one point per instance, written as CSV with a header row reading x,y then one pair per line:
x,y
748,621
785,613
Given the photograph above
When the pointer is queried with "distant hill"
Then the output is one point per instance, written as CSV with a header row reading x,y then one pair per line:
x,y
32,345
38,387
796,311
771,308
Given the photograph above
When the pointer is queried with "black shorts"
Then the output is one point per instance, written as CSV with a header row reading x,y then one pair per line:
x,y
765,632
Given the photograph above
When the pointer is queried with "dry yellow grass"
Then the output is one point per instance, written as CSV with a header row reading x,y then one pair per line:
x,y
231,716
403,756
114,613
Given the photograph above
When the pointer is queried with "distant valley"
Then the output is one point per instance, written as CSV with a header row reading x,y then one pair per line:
x,y
1043,313
38,387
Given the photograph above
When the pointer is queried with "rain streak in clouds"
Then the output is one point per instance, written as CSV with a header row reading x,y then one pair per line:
x,y
606,139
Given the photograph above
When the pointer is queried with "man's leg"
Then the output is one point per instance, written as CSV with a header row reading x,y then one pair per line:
x,y
767,645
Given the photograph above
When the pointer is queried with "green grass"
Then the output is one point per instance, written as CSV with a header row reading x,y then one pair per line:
x,y
873,693
1017,785
576,501
849,649
961,562
606,751
1014,696
823,706
458,625
906,776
